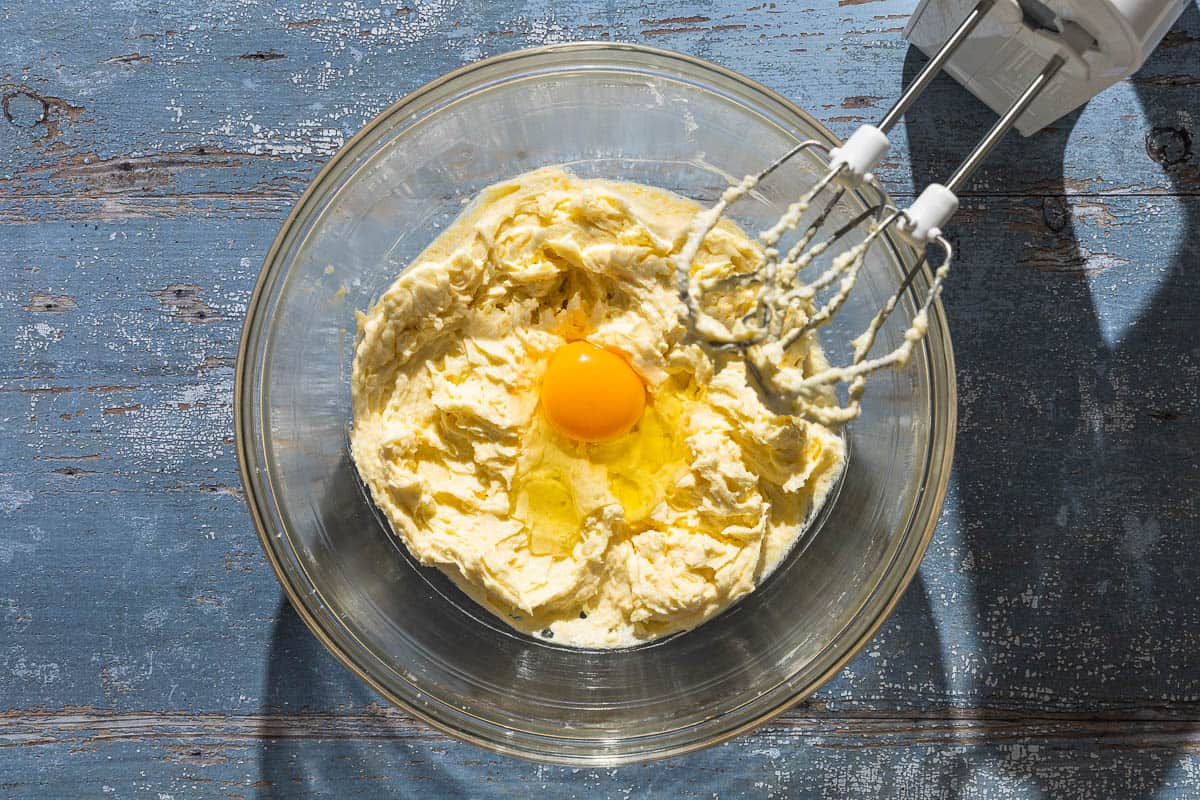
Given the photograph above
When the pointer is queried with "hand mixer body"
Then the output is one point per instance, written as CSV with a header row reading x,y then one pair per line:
x,y
1100,41
1030,60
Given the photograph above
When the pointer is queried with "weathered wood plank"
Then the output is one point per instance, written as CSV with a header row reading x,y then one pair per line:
x,y
242,103
376,752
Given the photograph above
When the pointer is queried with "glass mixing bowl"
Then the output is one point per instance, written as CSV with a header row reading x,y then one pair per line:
x,y
604,110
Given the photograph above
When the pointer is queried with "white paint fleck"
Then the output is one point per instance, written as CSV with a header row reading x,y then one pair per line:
x,y
44,673
37,338
13,499
156,617
186,429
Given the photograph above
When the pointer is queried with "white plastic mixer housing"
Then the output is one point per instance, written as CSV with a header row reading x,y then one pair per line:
x,y
1032,61
1101,42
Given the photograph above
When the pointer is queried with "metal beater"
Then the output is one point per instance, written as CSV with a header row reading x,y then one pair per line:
x,y
1031,60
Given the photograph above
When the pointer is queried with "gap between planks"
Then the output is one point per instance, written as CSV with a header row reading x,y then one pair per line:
x,y
960,725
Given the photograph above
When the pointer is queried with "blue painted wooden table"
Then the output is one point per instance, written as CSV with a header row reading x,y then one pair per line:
x,y
1050,648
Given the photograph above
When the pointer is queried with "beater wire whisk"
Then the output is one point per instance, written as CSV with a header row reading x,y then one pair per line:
x,y
782,308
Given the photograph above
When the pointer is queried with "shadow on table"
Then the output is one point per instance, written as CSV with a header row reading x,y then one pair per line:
x,y
314,742
325,733
319,751
1077,493
1075,458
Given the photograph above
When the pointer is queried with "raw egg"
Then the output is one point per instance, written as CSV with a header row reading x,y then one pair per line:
x,y
591,394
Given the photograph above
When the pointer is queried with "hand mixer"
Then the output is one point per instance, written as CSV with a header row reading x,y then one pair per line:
x,y
1032,61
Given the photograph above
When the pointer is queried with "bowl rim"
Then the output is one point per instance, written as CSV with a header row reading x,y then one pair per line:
x,y
932,497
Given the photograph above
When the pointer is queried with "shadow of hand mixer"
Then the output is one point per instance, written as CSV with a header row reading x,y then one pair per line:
x,y
1032,61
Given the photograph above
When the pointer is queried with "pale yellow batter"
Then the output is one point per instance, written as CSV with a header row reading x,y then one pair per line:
x,y
595,544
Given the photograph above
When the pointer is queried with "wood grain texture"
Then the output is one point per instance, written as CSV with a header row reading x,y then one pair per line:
x,y
147,157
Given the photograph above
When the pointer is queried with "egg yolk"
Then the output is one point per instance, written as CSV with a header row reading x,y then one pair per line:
x,y
591,394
